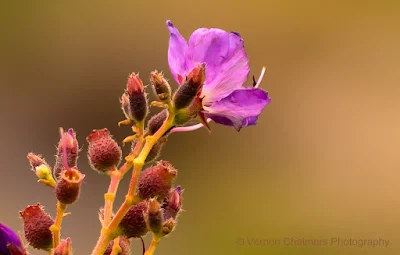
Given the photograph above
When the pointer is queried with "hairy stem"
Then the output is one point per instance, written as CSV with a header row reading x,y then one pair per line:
x,y
154,242
116,249
56,227
130,199
109,197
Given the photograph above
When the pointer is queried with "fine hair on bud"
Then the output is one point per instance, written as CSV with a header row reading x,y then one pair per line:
x,y
104,154
156,181
68,139
168,226
68,186
133,224
124,243
172,204
37,225
64,248
137,98
154,216
160,85
191,86
155,151
156,122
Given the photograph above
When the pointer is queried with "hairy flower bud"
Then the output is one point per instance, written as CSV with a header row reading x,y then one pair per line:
x,y
191,86
126,106
137,99
154,216
69,185
155,150
37,225
134,224
124,244
168,226
173,203
104,153
41,169
9,240
156,181
71,145
161,86
156,121
64,248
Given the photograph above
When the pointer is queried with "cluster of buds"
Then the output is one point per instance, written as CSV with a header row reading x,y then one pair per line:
x,y
160,205
66,181
185,102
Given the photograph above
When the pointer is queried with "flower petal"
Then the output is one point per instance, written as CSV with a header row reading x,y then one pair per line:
x,y
7,236
177,52
241,108
227,64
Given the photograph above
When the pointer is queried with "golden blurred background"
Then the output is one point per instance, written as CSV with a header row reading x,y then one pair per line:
x,y
322,162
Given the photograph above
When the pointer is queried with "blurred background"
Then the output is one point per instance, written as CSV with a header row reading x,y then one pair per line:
x,y
322,162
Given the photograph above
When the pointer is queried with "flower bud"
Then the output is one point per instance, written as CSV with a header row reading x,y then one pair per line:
x,y
64,248
71,145
137,99
134,224
161,86
173,203
9,240
191,86
14,249
104,153
154,216
155,150
69,185
168,226
124,244
126,106
156,121
156,181
41,169
37,225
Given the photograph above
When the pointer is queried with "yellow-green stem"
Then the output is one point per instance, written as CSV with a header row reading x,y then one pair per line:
x,y
109,197
106,234
56,227
154,242
116,249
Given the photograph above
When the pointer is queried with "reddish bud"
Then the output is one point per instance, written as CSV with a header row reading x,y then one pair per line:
x,y
173,203
40,168
155,182
137,98
154,216
156,121
161,86
104,153
37,225
191,86
64,248
124,244
126,106
69,185
71,146
134,224
35,161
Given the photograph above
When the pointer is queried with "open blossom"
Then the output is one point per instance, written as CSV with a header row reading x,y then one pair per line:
x,y
9,237
224,98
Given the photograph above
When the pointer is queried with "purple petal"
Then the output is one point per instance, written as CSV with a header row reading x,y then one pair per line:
x,y
7,236
177,52
227,64
241,108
